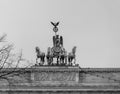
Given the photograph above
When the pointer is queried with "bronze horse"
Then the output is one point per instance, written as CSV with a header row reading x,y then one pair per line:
x,y
63,57
49,56
72,56
40,55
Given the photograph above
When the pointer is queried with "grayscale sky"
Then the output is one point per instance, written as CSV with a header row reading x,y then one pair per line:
x,y
91,25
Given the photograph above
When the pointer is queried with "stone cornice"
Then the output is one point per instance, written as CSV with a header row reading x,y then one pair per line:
x,y
65,90
44,69
100,69
62,69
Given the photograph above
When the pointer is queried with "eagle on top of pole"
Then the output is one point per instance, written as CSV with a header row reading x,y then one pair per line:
x,y
55,29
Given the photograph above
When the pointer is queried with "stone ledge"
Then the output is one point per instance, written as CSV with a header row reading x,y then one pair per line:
x,y
44,68
64,68
56,90
100,69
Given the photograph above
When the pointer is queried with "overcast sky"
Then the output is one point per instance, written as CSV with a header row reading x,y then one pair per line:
x,y
91,25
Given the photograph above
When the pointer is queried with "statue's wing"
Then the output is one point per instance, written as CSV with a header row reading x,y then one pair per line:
x,y
53,24
57,23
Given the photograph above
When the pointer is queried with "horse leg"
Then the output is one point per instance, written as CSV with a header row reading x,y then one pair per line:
x,y
43,60
48,60
57,60
51,58
69,60
65,60
36,61
39,61
61,60
75,61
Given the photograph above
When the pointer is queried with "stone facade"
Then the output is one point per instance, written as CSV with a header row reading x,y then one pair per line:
x,y
62,80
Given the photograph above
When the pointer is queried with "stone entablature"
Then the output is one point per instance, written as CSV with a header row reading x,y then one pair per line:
x,y
61,79
82,75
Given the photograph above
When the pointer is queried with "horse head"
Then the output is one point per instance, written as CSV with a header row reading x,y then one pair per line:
x,y
37,49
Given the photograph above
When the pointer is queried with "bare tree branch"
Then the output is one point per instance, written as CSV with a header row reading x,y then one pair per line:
x,y
6,59
2,38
